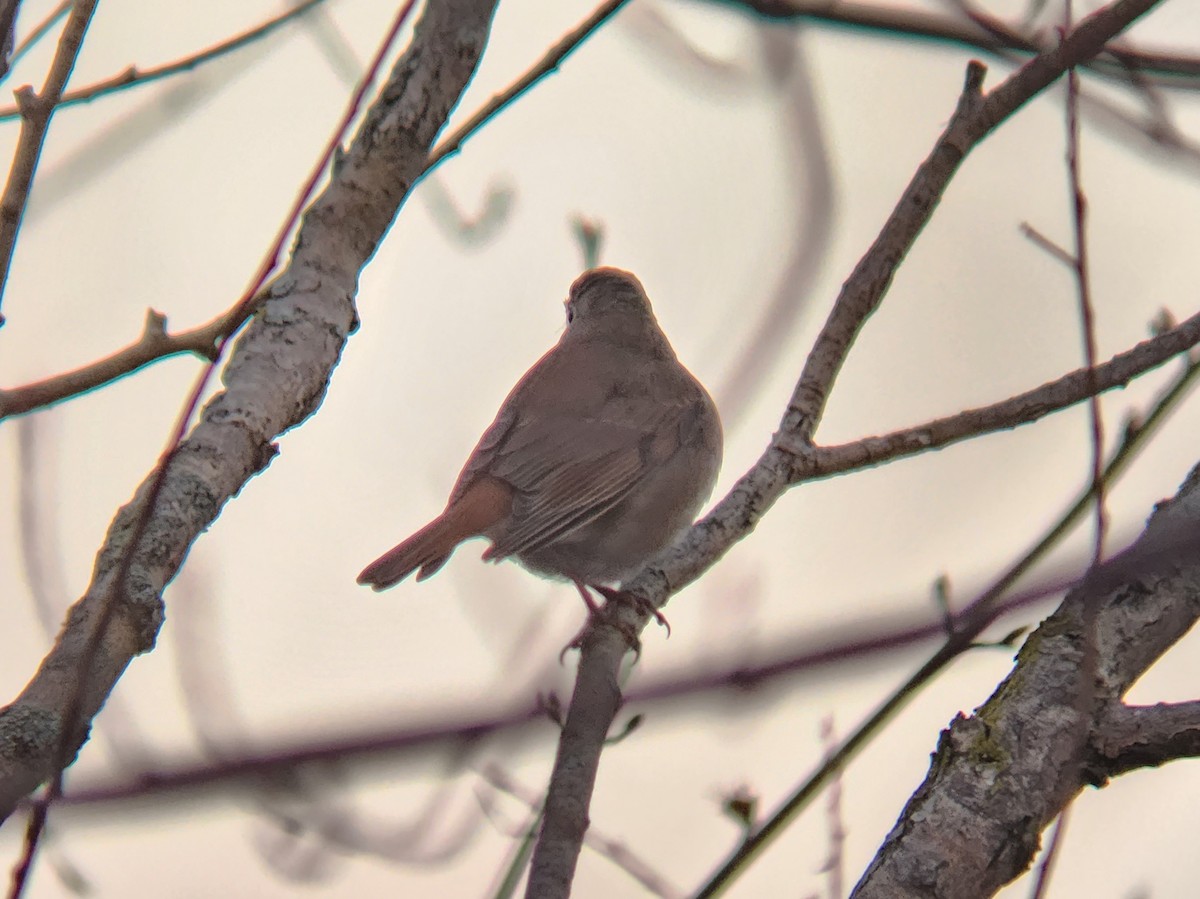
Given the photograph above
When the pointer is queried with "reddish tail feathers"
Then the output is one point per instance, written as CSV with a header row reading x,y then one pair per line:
x,y
427,549
484,504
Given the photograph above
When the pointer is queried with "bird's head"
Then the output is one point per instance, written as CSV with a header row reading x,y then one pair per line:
x,y
611,304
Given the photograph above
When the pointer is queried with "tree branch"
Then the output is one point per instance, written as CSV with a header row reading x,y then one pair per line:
x,y
153,344
1024,408
596,695
135,77
1000,776
986,34
1128,738
276,377
36,111
550,61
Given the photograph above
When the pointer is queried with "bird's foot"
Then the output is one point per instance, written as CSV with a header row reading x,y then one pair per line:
x,y
594,610
639,602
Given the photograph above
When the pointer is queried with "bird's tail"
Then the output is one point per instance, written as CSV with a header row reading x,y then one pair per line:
x,y
427,549
480,507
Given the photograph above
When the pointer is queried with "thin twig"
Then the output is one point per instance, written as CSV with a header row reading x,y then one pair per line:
x,y
518,861
1174,69
1087,312
835,864
135,77
1074,387
153,344
1087,316
553,57
40,31
36,110
1047,245
1042,884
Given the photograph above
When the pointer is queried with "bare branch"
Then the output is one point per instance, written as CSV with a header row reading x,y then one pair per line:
x,y
1024,408
40,30
1087,316
553,57
153,344
36,111
985,34
275,378
596,695
1128,738
1082,271
1000,776
135,77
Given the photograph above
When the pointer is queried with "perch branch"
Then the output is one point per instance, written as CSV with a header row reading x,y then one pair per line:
x,y
596,696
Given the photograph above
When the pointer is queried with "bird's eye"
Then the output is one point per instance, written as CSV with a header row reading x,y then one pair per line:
x,y
570,311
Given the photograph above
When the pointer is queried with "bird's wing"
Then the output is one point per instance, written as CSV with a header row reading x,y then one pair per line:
x,y
567,469
566,473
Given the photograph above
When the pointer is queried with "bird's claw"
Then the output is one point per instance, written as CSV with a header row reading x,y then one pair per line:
x,y
640,602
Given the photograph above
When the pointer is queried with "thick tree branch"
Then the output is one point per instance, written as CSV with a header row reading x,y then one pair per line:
x,y
1000,776
276,377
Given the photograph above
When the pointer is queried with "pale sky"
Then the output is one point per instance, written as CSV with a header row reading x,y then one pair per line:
x,y
168,195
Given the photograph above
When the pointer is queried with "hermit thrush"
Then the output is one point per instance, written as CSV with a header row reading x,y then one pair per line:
x,y
599,457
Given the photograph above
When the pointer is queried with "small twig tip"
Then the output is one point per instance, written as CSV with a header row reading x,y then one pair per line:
x,y
976,72
156,324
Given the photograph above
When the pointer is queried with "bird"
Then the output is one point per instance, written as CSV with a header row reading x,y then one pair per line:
x,y
600,456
